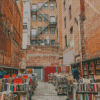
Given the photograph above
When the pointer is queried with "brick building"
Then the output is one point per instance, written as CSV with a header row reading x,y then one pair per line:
x,y
80,20
26,23
11,19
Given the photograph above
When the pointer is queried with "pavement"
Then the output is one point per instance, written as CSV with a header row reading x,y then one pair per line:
x,y
46,91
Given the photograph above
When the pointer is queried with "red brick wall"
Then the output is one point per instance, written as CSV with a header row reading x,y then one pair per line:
x,y
92,30
41,56
9,42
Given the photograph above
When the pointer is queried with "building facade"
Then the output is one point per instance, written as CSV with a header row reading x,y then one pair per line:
x,y
26,23
43,22
11,19
80,32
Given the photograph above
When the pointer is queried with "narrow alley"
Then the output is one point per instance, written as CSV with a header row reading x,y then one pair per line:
x,y
46,91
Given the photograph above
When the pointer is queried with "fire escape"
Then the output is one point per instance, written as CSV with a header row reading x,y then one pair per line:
x,y
35,11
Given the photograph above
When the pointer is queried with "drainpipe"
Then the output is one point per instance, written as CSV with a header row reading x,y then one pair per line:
x,y
80,45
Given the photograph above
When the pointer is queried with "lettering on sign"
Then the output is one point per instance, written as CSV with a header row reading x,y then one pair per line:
x,y
25,76
18,80
13,75
6,76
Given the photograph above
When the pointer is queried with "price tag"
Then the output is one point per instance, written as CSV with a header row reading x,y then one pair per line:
x,y
17,80
25,76
6,76
13,75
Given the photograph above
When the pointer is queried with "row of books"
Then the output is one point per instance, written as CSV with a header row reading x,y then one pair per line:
x,y
87,87
22,87
86,97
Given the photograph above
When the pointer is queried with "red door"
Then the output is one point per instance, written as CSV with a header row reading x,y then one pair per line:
x,y
47,71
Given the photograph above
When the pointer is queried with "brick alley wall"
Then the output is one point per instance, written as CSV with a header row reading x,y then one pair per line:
x,y
10,33
41,56
92,28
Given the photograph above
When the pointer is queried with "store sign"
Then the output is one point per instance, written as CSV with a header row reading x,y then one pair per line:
x,y
18,80
25,76
6,76
13,75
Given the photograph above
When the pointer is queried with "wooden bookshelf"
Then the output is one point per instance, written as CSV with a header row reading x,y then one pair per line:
x,y
97,67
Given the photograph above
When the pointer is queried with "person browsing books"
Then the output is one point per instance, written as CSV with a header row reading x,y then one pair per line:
x,y
75,72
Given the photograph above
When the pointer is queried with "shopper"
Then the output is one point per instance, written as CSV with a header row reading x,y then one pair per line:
x,y
75,72
2,73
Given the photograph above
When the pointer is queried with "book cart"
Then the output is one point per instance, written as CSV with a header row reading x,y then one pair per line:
x,y
61,84
17,88
50,78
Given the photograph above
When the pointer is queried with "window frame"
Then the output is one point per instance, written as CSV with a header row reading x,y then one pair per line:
x,y
65,22
46,6
66,41
51,30
71,30
39,30
33,17
24,24
70,13
41,5
51,42
45,19
39,17
52,7
46,31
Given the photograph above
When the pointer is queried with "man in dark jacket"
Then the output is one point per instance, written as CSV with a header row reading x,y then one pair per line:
x,y
75,72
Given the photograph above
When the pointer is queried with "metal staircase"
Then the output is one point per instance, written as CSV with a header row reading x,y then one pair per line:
x,y
42,30
50,23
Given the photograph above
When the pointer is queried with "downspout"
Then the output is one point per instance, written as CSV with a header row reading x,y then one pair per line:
x,y
80,45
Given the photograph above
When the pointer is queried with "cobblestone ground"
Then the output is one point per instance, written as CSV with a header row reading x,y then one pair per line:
x,y
46,91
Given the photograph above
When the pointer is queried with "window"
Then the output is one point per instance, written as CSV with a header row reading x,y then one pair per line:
x,y
39,5
39,17
52,6
65,40
24,25
34,6
46,31
46,18
64,5
52,19
33,33
39,42
40,30
46,6
33,17
52,30
52,42
57,33
33,42
71,30
65,22
70,15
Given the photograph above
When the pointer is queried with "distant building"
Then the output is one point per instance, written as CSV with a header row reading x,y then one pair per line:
x,y
26,23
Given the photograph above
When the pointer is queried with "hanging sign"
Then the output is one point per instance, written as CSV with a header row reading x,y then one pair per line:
x,y
6,76
13,75
17,80
25,76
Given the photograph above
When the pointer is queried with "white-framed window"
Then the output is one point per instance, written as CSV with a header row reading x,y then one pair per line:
x,y
34,17
52,6
33,32
40,5
34,6
46,6
52,19
24,25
